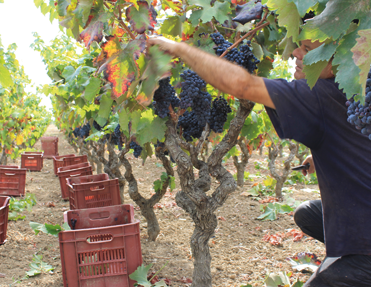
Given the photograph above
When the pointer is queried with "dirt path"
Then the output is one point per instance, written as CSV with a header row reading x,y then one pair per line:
x,y
240,256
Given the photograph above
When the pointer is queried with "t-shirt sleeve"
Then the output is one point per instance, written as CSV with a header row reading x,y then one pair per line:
x,y
298,114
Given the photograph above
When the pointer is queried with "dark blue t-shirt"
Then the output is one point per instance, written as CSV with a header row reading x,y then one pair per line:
x,y
342,157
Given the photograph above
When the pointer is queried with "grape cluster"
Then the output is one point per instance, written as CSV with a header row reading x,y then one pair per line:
x,y
164,97
82,132
189,123
116,137
360,115
97,126
219,113
137,149
243,57
191,86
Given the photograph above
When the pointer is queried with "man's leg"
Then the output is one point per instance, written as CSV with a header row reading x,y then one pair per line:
x,y
345,271
308,216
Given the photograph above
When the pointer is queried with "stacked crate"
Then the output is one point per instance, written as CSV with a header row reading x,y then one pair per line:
x,y
50,146
103,246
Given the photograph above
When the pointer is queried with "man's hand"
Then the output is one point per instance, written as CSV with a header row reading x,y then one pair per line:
x,y
311,169
166,45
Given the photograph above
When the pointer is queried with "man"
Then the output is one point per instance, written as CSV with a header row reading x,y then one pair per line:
x,y
341,155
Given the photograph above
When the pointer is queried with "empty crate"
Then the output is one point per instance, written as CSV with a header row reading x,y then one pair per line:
x,y
72,171
72,160
4,210
12,180
32,161
93,191
50,146
58,161
103,249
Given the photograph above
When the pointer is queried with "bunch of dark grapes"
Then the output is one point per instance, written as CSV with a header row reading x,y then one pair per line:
x,y
243,57
360,115
164,97
113,139
201,108
118,136
82,132
219,114
191,87
137,149
97,126
189,123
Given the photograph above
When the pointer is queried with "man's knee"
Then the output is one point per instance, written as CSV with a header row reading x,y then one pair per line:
x,y
302,213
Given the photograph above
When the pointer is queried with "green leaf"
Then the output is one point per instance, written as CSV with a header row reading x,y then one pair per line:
x,y
105,106
5,77
62,7
38,266
220,11
65,226
82,11
37,227
347,71
92,89
150,128
322,53
140,275
313,72
53,229
361,55
303,6
288,16
138,18
172,26
335,19
157,67
270,213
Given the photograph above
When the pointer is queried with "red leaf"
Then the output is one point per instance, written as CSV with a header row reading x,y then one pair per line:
x,y
93,32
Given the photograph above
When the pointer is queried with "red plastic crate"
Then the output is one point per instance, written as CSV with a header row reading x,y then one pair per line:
x,y
50,146
103,249
12,181
58,161
65,172
9,166
32,161
4,210
75,160
93,191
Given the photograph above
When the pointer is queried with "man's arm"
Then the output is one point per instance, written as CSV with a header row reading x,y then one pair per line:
x,y
223,75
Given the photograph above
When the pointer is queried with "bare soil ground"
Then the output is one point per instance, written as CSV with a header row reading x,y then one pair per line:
x,y
239,254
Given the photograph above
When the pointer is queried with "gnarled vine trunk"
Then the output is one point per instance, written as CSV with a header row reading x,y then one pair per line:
x,y
193,198
241,164
273,154
146,205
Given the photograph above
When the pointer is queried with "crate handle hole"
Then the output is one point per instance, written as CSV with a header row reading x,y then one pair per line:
x,y
10,174
97,188
99,215
99,238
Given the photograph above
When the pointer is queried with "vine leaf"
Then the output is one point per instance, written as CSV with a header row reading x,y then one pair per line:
x,y
150,127
172,26
303,6
361,55
140,275
5,77
121,68
62,7
313,72
220,11
322,53
248,12
82,11
176,6
92,89
347,71
142,18
335,19
157,67
288,16
94,31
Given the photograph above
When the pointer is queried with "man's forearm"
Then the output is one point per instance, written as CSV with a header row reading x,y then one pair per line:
x,y
225,76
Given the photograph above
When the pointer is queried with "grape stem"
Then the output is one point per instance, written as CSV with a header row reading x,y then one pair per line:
x,y
252,33
122,23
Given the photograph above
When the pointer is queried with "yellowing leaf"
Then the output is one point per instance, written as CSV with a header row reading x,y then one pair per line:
x,y
19,139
